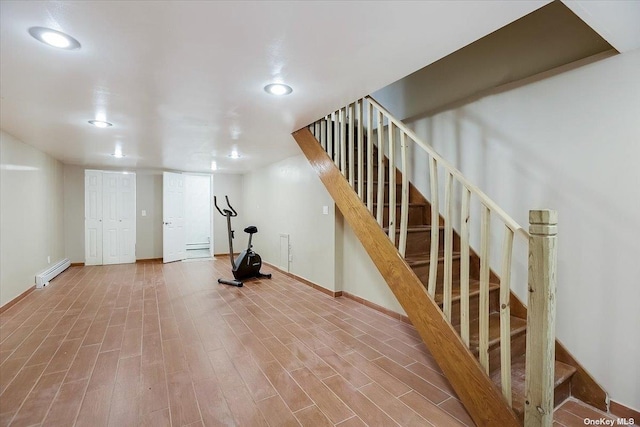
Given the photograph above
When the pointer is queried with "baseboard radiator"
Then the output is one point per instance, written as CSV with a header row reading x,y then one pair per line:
x,y
203,245
46,276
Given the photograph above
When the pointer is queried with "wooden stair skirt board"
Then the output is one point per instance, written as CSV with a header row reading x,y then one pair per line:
x,y
481,397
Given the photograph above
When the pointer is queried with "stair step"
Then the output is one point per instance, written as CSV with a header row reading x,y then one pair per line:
x,y
417,214
562,376
385,191
415,229
422,260
518,327
399,204
418,239
474,299
474,289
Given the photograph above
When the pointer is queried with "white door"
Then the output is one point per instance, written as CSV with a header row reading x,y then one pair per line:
x,y
93,217
119,222
173,230
110,217
110,233
127,218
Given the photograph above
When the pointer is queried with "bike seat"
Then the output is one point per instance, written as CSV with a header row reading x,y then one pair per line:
x,y
251,229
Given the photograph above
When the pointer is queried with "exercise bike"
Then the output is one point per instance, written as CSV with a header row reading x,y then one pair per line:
x,y
248,263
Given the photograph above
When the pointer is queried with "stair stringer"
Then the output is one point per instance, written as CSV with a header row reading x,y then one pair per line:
x,y
482,399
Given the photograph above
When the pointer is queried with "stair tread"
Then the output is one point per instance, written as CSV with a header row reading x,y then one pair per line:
x,y
398,203
562,372
518,326
474,289
415,228
424,259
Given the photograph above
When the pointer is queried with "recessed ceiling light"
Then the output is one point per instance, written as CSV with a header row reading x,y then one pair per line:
x,y
100,123
118,153
54,38
278,89
234,155
214,166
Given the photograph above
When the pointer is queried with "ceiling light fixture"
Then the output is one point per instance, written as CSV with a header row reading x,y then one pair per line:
x,y
278,89
214,166
118,153
100,123
234,155
54,38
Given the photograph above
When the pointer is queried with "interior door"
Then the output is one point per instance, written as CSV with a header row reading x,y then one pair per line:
x,y
93,217
111,225
173,230
127,217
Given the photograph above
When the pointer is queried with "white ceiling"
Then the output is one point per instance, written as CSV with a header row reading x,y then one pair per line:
x,y
182,82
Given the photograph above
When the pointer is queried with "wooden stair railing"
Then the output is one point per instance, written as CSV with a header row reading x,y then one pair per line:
x,y
477,392
367,174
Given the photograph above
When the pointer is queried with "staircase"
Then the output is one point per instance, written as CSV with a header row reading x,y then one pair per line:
x,y
467,315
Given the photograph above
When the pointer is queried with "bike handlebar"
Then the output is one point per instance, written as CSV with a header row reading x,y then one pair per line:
x,y
226,212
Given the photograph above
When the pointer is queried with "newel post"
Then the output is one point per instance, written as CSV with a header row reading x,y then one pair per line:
x,y
540,362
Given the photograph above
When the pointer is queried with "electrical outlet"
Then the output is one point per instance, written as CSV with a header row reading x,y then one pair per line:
x,y
49,259
143,213
325,210
290,257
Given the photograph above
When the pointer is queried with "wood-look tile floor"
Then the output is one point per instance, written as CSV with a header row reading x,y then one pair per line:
x,y
573,413
160,345
153,344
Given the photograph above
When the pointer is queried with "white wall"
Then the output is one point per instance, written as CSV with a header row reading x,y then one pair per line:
x,y
571,143
74,213
149,227
31,218
287,197
360,277
198,208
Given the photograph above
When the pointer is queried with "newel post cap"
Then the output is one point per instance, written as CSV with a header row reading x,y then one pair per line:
x,y
543,222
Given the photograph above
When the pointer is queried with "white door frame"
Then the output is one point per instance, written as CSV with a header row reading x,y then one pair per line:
x,y
211,208
92,217
173,231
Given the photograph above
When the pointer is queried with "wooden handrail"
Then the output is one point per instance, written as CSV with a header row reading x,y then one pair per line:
x,y
484,199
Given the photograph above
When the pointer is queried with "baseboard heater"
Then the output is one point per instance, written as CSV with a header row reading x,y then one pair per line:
x,y
193,246
46,276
